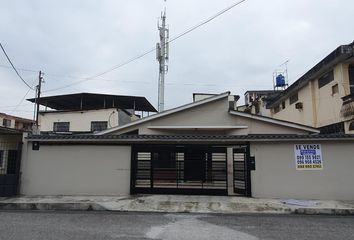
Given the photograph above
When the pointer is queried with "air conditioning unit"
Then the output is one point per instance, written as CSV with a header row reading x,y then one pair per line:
x,y
299,105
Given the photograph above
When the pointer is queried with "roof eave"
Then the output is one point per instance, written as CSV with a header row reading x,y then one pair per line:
x,y
275,121
165,113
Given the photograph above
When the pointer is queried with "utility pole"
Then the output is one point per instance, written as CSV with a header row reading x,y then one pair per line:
x,y
38,96
162,54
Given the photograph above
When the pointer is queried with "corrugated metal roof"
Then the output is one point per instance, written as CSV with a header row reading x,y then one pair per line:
x,y
91,101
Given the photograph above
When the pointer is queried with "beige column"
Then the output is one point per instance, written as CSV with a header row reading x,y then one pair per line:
x,y
230,171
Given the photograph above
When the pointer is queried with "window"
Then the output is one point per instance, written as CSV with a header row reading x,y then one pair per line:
x,y
61,126
276,109
98,126
335,89
283,105
294,98
6,122
325,79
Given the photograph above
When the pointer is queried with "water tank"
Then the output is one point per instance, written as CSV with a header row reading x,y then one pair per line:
x,y
280,81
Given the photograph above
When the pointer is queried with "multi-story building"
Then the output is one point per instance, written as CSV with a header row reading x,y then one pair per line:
x,y
88,112
322,98
9,121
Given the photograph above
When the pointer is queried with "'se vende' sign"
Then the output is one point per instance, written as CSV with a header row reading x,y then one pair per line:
x,y
308,157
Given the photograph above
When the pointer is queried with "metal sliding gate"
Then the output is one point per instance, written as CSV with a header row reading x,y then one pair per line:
x,y
189,169
241,173
10,156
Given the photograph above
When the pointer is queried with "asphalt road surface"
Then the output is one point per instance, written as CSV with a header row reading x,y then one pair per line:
x,y
106,225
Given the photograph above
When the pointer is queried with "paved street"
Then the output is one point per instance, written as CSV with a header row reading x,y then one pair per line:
x,y
107,225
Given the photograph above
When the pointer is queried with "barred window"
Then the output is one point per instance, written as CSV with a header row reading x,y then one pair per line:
x,y
61,126
98,126
6,122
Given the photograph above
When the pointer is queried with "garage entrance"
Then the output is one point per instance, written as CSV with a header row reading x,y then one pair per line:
x,y
181,169
190,169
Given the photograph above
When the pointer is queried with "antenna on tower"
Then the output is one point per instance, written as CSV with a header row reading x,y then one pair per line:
x,y
162,54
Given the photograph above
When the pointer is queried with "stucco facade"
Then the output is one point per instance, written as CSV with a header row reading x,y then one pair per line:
x,y
80,121
9,121
323,97
165,150
320,106
75,170
196,119
276,175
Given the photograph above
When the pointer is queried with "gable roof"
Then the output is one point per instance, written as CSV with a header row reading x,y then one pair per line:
x,y
275,121
167,112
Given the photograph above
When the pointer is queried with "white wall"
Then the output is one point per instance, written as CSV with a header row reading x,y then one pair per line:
x,y
76,170
276,175
79,120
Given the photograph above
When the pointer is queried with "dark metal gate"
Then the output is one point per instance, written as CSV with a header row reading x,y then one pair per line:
x,y
10,158
185,169
242,174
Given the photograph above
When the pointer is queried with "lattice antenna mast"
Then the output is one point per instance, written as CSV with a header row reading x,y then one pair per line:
x,y
162,54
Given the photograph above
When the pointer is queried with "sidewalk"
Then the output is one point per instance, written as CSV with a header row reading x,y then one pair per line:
x,y
178,203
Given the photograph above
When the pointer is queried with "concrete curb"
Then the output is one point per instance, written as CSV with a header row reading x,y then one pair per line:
x,y
92,206
53,206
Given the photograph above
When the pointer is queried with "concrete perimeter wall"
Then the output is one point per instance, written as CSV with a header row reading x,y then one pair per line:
x,y
276,175
76,170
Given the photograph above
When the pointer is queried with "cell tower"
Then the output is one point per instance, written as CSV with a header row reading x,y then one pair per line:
x,y
162,57
280,77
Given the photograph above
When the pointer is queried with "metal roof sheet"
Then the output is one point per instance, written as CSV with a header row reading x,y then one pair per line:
x,y
91,101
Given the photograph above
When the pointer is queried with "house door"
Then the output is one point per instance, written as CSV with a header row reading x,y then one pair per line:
x,y
195,160
242,174
9,168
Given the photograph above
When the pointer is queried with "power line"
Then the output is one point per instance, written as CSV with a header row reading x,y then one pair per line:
x,y
15,68
123,63
19,69
207,20
85,79
152,49
173,39
23,98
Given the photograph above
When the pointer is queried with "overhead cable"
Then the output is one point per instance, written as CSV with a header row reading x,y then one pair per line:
x,y
15,68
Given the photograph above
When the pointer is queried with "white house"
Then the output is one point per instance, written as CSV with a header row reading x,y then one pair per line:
x,y
89,112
